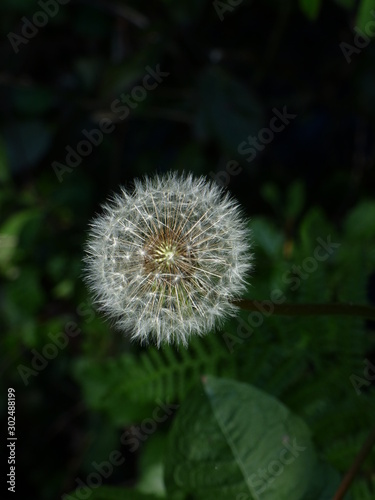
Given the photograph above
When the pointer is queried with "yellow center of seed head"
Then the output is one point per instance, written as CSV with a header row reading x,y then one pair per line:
x,y
167,254
165,258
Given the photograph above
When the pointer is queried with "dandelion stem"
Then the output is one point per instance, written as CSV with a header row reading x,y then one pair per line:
x,y
363,311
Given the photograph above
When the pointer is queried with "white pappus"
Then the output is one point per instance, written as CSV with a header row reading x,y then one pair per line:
x,y
167,260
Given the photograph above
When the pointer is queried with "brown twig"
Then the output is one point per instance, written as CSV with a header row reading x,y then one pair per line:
x,y
360,458
367,312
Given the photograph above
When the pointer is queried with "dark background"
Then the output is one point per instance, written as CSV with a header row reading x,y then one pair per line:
x,y
225,78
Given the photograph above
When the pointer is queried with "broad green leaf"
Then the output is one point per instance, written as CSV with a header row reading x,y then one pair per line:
x,y
311,8
365,14
231,440
110,493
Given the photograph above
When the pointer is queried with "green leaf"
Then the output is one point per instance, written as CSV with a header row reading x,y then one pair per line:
x,y
164,374
360,223
313,228
99,382
110,493
362,489
271,194
267,237
10,233
231,440
364,15
8,245
151,465
14,225
27,292
311,8
295,199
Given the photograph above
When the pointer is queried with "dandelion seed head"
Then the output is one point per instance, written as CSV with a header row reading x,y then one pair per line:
x,y
167,260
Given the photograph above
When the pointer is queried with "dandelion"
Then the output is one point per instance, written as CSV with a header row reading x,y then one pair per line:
x,y
167,260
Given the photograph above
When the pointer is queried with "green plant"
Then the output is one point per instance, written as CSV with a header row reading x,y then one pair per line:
x,y
306,362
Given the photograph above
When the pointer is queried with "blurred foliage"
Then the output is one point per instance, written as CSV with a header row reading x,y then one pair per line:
x,y
226,67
